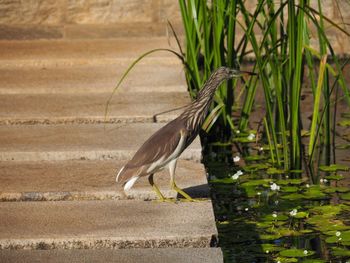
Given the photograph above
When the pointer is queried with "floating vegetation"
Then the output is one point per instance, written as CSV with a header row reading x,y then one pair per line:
x,y
265,216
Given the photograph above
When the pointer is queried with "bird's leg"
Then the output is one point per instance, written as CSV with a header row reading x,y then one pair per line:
x,y
156,189
172,166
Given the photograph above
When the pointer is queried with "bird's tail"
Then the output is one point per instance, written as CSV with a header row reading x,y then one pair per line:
x,y
127,177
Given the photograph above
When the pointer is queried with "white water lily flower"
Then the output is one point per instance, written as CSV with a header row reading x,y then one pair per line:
x,y
258,193
293,212
251,137
307,185
325,180
237,175
267,251
246,209
261,149
274,214
236,159
338,233
275,187
305,252
238,131
321,180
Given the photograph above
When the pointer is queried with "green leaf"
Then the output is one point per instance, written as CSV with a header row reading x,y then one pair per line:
x,y
256,182
314,192
314,261
294,196
344,237
286,260
255,167
274,170
301,215
289,181
344,123
334,168
255,158
335,177
340,252
228,180
289,189
280,217
296,253
345,196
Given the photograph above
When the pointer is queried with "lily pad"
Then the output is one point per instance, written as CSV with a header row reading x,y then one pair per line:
x,y
329,210
274,170
314,261
289,189
255,158
279,217
256,182
335,177
345,196
286,260
344,123
296,253
255,167
296,171
273,236
344,237
333,168
289,181
293,196
332,225
343,146
331,190
301,215
314,192
228,180
337,251
270,247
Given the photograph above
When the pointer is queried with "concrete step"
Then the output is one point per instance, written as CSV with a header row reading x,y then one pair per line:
x,y
79,141
154,255
90,180
92,79
43,53
106,224
90,108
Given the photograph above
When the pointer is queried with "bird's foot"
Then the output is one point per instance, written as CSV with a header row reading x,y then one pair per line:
x,y
187,198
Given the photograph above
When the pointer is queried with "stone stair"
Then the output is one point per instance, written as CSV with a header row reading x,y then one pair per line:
x,y
59,155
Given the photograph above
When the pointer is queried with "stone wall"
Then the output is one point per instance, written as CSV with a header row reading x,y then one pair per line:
x,y
73,19
32,19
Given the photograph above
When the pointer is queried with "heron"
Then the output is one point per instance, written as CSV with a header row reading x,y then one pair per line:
x,y
165,146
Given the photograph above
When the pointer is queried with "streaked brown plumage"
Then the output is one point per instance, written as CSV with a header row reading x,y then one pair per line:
x,y
165,146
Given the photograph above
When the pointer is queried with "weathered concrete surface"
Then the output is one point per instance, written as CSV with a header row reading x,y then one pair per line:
x,y
92,79
105,224
151,255
89,108
79,141
43,53
89,180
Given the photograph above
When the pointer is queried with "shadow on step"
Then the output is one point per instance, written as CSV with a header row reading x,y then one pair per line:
x,y
198,191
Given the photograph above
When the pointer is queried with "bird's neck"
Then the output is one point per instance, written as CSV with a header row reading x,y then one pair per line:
x,y
210,87
197,111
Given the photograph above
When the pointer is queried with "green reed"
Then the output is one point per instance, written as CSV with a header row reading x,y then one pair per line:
x,y
277,36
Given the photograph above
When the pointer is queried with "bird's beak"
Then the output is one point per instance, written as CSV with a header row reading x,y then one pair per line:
x,y
238,73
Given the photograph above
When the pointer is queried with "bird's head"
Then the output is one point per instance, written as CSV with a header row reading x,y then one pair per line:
x,y
228,73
